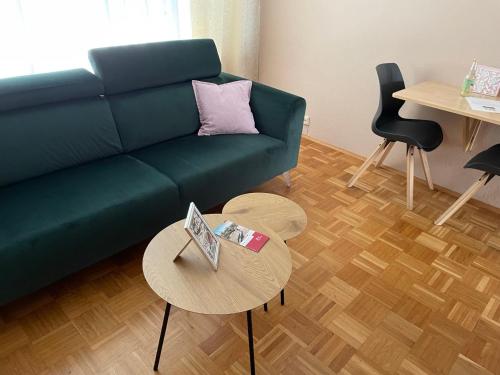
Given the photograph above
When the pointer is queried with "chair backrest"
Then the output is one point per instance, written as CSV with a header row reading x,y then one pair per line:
x,y
390,80
52,121
149,87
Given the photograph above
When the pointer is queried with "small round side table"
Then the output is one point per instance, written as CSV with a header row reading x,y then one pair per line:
x,y
282,215
243,281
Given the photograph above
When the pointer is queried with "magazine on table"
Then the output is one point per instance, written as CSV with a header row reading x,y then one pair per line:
x,y
242,236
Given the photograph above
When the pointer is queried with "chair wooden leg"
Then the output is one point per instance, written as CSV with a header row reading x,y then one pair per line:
x,y
410,171
427,170
386,151
367,163
463,198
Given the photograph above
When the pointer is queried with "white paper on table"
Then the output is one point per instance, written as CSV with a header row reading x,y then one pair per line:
x,y
483,105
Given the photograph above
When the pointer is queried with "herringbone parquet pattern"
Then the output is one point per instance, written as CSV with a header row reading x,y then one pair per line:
x,y
376,289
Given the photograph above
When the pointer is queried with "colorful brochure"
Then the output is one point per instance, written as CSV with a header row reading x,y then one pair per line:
x,y
242,236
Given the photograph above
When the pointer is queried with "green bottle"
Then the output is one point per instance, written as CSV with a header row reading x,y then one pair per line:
x,y
469,80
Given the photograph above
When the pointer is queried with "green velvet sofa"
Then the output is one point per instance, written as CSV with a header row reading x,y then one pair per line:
x,y
92,164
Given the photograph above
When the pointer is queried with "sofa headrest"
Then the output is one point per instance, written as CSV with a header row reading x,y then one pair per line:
x,y
45,88
134,67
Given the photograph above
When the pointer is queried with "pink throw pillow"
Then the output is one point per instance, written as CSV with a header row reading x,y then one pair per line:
x,y
224,109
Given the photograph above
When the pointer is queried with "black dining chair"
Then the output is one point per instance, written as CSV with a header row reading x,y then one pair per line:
x,y
388,124
487,161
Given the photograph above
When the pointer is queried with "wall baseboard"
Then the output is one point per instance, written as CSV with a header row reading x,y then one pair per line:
x,y
455,194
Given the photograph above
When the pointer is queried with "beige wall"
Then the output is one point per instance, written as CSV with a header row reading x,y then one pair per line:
x,y
234,25
327,50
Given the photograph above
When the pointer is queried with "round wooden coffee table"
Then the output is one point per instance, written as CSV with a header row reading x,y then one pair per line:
x,y
243,281
281,214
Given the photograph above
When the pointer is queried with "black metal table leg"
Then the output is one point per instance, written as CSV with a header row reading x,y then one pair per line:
x,y
162,336
250,342
282,294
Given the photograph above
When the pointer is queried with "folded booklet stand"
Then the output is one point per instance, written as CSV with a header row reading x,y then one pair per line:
x,y
183,248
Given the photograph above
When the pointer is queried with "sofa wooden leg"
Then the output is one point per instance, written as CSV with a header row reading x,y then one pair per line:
x,y
288,180
483,180
410,171
367,163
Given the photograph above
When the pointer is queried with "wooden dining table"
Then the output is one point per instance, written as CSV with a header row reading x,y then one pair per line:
x,y
447,98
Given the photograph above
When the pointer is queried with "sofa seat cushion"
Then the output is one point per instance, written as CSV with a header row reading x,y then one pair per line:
x,y
66,220
209,170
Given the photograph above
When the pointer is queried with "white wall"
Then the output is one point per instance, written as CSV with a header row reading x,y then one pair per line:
x,y
327,50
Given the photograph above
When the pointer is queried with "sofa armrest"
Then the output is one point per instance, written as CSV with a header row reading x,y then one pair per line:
x,y
277,113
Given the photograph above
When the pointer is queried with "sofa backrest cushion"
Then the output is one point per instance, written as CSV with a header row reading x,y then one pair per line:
x,y
45,88
154,115
53,121
149,87
139,66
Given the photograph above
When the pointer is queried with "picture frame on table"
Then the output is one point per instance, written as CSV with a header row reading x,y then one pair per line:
x,y
487,81
202,235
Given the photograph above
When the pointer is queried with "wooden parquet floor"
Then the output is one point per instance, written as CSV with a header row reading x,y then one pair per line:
x,y
376,289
